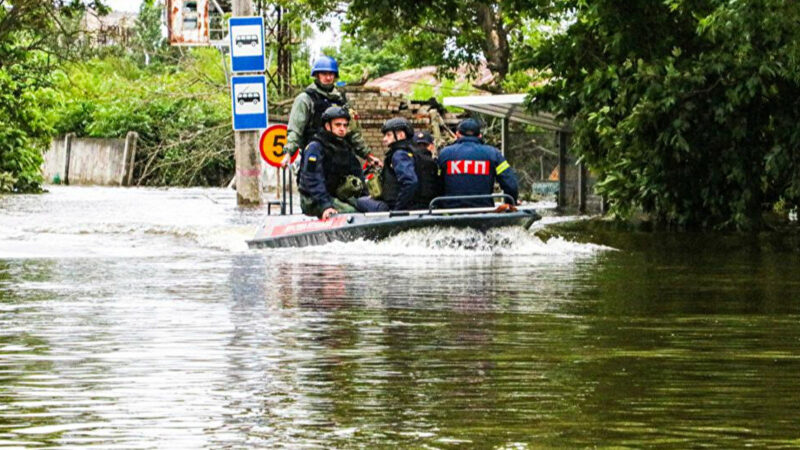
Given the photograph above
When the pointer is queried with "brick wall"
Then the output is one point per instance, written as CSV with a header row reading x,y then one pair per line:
x,y
374,107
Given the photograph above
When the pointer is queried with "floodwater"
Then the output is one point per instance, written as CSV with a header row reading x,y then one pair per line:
x,y
138,318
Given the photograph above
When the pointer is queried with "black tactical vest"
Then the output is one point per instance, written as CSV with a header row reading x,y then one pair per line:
x,y
319,104
340,162
390,187
430,184
427,172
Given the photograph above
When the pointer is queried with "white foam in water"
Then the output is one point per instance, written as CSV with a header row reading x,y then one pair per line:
x,y
509,241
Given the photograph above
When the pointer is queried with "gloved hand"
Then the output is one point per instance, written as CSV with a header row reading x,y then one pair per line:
x,y
505,207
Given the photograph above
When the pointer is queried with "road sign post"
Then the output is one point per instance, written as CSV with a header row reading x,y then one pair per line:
x,y
248,164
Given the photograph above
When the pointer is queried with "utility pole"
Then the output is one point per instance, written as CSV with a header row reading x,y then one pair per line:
x,y
248,161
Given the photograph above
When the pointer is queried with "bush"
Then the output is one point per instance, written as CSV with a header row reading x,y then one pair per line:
x,y
181,113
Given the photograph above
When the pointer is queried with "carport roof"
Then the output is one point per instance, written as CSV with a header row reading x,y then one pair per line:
x,y
508,106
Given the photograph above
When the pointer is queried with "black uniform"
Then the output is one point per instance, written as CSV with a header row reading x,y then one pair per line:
x,y
410,177
327,161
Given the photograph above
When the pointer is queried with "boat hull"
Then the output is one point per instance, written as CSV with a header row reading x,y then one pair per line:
x,y
303,232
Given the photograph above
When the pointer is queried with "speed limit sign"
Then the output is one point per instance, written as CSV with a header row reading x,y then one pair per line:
x,y
272,141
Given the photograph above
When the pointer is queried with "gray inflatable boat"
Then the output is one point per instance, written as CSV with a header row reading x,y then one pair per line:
x,y
303,231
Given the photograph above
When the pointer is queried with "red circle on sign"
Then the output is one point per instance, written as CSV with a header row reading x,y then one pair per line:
x,y
271,145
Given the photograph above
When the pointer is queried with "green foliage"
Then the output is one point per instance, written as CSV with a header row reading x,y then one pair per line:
x,y
445,33
24,130
686,108
181,113
147,32
447,88
33,35
368,60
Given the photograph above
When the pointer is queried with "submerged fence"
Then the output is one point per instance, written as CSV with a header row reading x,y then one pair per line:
x,y
108,162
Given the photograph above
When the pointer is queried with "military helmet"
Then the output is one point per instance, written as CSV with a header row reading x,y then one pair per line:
x,y
335,112
469,127
398,124
325,64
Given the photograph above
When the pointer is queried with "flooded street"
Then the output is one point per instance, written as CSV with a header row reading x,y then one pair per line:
x,y
138,318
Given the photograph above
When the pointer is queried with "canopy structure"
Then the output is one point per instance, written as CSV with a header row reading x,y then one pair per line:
x,y
508,107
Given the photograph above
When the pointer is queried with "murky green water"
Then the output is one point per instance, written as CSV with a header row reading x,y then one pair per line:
x,y
139,319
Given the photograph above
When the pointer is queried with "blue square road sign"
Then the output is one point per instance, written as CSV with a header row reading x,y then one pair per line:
x,y
249,97
247,44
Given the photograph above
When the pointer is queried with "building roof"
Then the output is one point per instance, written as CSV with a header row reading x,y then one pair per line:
x,y
407,81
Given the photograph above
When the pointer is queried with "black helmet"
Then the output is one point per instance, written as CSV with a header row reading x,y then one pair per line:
x,y
423,137
335,112
469,127
398,124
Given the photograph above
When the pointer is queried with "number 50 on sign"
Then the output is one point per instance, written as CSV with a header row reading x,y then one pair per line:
x,y
272,141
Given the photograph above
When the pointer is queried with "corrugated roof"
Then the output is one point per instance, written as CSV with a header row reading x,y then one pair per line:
x,y
509,106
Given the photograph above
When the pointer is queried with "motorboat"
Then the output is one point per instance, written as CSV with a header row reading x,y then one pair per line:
x,y
302,231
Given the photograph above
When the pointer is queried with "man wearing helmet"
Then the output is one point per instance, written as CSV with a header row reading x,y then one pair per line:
x,y
408,183
430,182
305,118
330,178
470,167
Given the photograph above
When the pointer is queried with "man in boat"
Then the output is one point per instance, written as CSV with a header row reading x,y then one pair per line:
x,y
409,181
330,178
427,168
305,118
470,167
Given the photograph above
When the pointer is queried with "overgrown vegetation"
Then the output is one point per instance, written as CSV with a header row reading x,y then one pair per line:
x,y
33,35
181,113
687,109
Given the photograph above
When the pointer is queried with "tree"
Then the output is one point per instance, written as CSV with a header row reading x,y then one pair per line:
x,y
372,60
147,38
447,33
34,34
686,109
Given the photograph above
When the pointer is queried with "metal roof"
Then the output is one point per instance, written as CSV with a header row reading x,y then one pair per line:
x,y
508,106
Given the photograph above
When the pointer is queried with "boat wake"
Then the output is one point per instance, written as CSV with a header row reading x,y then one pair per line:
x,y
508,241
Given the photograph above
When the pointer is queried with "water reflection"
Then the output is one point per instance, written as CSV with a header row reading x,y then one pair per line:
x,y
192,341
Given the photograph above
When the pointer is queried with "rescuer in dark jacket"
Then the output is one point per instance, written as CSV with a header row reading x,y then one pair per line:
x,y
470,167
400,178
305,118
427,169
330,178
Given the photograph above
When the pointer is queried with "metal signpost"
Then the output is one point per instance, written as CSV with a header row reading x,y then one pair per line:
x,y
249,98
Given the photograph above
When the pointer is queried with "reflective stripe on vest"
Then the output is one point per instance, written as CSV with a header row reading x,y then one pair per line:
x,y
502,167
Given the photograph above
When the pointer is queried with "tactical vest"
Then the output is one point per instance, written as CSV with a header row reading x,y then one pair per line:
x,y
319,104
339,163
427,174
430,184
